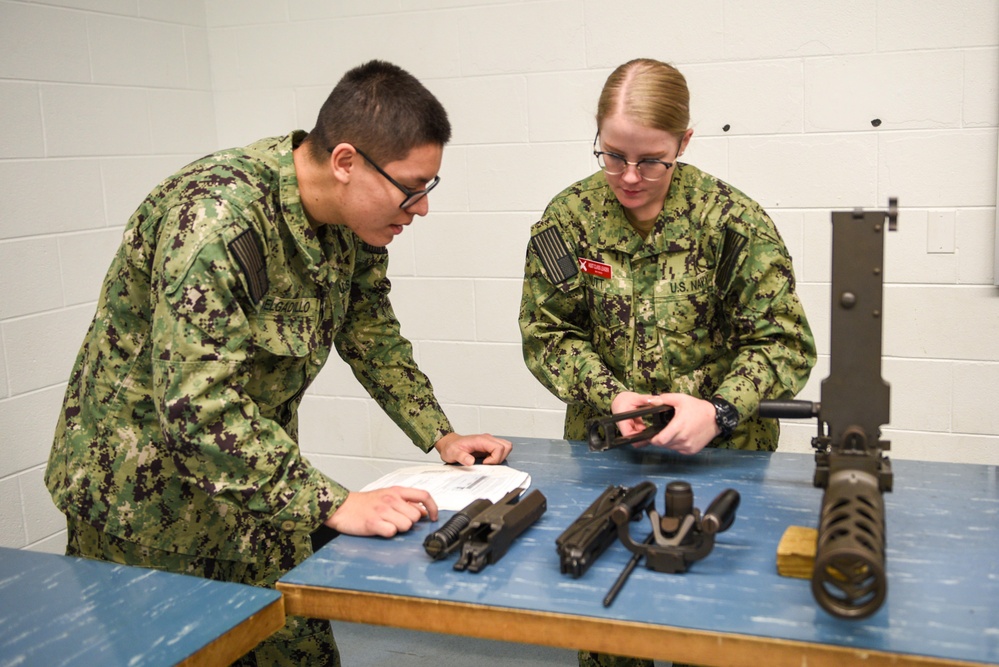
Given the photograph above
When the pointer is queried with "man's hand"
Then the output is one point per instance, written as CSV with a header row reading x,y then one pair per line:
x,y
454,448
383,512
692,427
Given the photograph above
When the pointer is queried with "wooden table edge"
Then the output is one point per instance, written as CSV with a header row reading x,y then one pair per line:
x,y
237,642
581,632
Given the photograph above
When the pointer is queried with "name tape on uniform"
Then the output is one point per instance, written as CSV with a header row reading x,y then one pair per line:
x,y
594,268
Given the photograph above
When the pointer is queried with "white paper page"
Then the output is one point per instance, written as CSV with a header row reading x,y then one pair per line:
x,y
454,487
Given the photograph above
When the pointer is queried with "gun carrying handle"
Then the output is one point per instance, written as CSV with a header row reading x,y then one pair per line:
x,y
721,512
638,498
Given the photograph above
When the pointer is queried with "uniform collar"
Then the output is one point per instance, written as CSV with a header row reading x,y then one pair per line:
x,y
672,231
322,248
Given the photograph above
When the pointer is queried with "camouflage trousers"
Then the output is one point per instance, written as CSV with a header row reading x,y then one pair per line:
x,y
591,659
301,642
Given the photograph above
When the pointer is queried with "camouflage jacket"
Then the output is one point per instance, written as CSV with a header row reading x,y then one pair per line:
x,y
179,425
704,306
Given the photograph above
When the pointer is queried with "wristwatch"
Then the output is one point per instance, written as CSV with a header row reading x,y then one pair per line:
x,y
726,416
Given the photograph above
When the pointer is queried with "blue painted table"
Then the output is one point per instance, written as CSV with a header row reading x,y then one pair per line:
x,y
56,610
731,608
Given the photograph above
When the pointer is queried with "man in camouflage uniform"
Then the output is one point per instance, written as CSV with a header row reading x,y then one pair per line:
x,y
177,446
653,283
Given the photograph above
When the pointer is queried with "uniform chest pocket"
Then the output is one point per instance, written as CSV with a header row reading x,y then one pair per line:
x,y
689,333
285,334
685,306
611,302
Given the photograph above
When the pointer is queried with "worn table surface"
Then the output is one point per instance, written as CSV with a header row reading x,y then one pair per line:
x,y
731,608
56,610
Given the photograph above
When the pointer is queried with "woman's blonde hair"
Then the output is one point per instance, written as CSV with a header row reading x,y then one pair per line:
x,y
649,92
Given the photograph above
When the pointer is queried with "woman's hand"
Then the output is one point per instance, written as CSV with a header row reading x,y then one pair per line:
x,y
692,427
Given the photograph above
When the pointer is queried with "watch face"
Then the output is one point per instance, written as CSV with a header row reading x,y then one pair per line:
x,y
726,415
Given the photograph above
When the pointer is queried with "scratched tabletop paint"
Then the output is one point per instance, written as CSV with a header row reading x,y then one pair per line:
x,y
56,610
942,553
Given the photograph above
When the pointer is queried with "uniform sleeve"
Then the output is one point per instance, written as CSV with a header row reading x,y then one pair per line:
x,y
555,325
775,346
371,342
217,436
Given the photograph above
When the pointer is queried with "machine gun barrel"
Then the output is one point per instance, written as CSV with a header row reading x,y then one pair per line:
x,y
848,578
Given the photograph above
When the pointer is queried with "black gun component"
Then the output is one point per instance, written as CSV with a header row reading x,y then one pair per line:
x,y
582,543
448,537
603,432
489,531
625,573
682,535
848,579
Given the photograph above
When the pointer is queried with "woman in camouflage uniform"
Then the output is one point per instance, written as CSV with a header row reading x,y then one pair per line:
x,y
653,282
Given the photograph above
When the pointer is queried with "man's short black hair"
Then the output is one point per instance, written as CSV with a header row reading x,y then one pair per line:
x,y
381,109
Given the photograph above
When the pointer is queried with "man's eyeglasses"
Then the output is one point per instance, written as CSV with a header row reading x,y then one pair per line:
x,y
648,168
412,196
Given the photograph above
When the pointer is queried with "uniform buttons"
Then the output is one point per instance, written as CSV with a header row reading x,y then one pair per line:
x,y
288,526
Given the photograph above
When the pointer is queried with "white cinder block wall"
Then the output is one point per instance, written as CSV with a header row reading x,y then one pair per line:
x,y
808,107
99,100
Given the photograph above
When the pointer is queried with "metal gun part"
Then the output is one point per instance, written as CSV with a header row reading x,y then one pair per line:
x,y
603,434
582,543
682,535
848,578
449,537
491,532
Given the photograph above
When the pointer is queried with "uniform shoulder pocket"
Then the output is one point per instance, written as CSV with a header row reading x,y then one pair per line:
x,y
559,263
246,251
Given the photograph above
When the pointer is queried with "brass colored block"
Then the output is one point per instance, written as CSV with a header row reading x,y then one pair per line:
x,y
796,552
